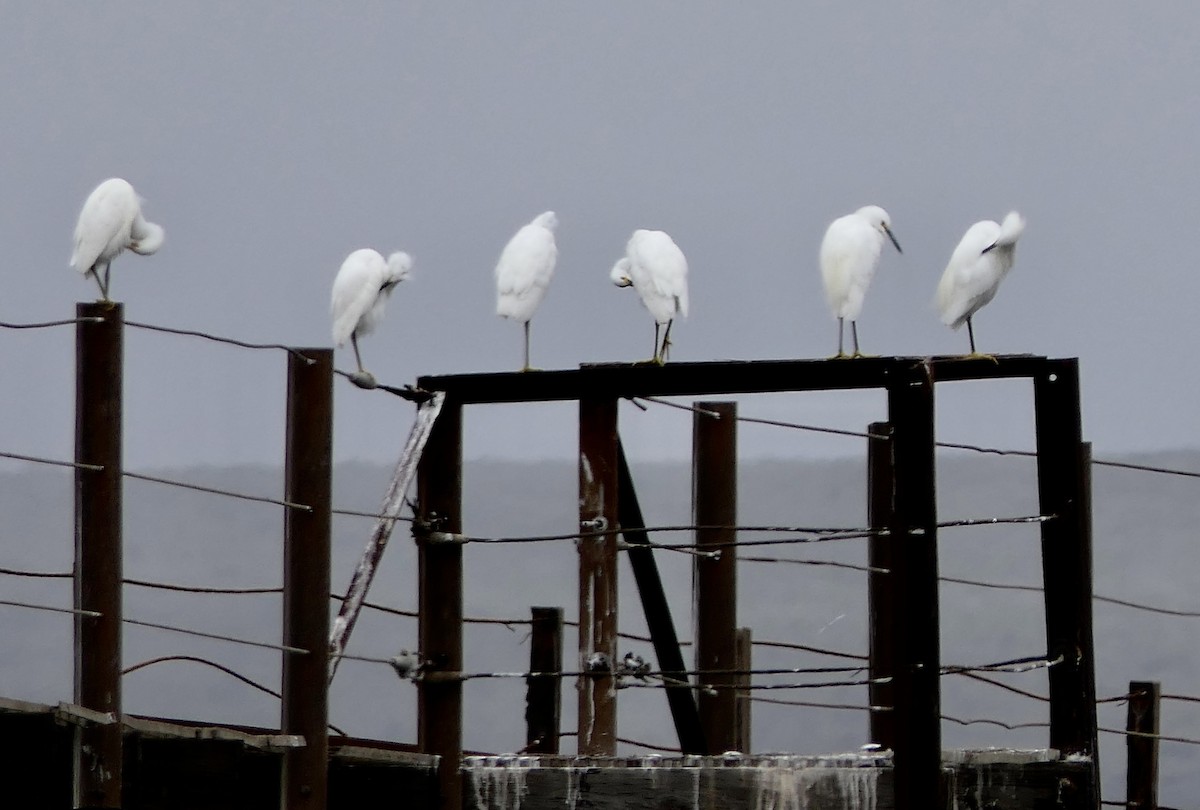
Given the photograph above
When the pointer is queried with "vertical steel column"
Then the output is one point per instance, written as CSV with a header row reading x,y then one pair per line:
x,y
745,662
308,475
543,693
98,567
1141,772
881,594
658,612
439,699
714,508
1064,491
918,750
598,504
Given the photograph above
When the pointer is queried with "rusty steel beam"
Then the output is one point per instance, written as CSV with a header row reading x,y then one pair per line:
x,y
658,613
440,571
598,486
718,378
308,477
714,510
98,756
918,749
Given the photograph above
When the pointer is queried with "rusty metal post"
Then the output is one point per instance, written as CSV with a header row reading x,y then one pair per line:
x,y
658,613
714,507
745,661
1141,772
308,474
881,595
1064,491
543,693
440,563
99,350
598,575
918,751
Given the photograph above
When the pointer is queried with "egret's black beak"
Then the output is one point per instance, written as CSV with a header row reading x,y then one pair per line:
x,y
986,249
892,236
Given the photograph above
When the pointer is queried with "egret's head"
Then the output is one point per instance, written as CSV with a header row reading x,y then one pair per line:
x,y
620,274
547,220
880,221
150,241
399,268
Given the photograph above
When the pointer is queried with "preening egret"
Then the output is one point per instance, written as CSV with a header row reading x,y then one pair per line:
x,y
360,291
655,267
849,255
977,266
524,271
110,222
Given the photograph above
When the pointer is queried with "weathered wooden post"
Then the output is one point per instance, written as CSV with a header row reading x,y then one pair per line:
x,y
99,348
598,505
881,593
745,662
308,476
439,519
714,510
913,532
543,700
1141,772
1064,491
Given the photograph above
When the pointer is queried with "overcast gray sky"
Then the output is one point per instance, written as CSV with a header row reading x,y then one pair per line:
x,y
271,139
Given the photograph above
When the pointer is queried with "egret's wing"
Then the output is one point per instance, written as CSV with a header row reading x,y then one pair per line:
x,y
970,279
355,291
849,253
524,271
108,211
659,271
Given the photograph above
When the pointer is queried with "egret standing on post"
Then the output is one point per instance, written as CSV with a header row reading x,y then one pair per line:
x,y
656,268
110,222
360,292
524,271
977,266
849,255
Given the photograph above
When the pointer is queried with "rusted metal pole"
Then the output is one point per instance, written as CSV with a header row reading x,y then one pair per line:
x,y
1064,491
745,661
308,475
440,563
658,613
364,573
881,594
918,750
99,350
543,693
597,576
1141,772
714,507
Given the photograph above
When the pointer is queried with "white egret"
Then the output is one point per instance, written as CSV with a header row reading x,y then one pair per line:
x,y
111,221
656,268
849,255
524,271
977,266
360,292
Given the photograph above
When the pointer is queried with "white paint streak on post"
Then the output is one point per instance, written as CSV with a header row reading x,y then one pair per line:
x,y
360,583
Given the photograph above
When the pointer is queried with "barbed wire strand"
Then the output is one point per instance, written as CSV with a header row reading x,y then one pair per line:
x,y
216,636
49,324
788,645
214,491
198,660
813,704
14,572
53,462
219,339
49,609
831,563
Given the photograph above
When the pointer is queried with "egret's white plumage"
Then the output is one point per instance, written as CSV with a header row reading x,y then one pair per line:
x,y
110,222
849,255
656,268
361,290
524,271
978,265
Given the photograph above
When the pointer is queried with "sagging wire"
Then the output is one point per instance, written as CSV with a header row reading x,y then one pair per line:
x,y
219,339
49,324
214,491
53,462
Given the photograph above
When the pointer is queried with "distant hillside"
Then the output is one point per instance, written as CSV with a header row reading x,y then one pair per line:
x,y
1145,551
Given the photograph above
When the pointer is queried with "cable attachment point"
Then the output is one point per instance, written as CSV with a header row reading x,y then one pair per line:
x,y
598,664
596,524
